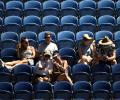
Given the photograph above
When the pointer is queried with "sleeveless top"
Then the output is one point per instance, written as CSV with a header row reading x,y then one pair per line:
x,y
26,54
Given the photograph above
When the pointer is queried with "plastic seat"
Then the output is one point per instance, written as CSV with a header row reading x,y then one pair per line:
x,y
81,72
118,55
101,34
13,24
106,7
116,90
66,39
101,90
69,54
69,23
43,90
32,8
101,72
6,91
69,7
116,72
32,23
106,22
87,8
23,90
87,23
41,36
118,23
118,8
2,8
8,54
51,23
62,90
82,90
22,72
14,8
31,36
1,25
117,39
51,7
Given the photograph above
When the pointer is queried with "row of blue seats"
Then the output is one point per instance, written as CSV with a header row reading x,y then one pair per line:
x,y
68,7
54,24
81,90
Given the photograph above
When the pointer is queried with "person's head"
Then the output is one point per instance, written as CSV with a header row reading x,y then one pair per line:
x,y
24,42
87,39
47,37
56,55
47,55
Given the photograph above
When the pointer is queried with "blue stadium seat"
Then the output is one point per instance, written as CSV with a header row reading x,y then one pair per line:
x,y
82,90
1,25
8,54
31,36
65,39
69,23
101,34
87,7
23,90
101,72
32,23
87,23
2,8
106,7
118,55
6,91
69,54
32,8
118,23
13,24
116,72
81,72
116,90
51,7
62,90
118,7
41,36
69,7
14,8
107,22
117,39
22,72
43,90
101,90
51,23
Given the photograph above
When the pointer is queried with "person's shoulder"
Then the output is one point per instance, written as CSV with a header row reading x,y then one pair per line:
x,y
52,43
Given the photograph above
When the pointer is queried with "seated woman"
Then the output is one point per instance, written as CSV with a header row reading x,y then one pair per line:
x,y
85,50
105,52
25,53
60,68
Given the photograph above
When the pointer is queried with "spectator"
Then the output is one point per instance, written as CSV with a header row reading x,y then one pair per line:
x,y
25,53
60,69
85,49
47,45
43,68
105,52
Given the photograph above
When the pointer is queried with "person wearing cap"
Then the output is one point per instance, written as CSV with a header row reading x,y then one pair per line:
x,y
60,68
43,68
85,49
105,51
47,45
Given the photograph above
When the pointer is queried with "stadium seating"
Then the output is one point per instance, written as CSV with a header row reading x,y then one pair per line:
x,y
2,7
116,90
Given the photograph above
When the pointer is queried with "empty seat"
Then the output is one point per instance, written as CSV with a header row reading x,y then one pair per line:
x,y
13,24
116,90
51,23
69,7
1,25
23,90
32,8
82,90
118,23
106,7
87,7
107,22
2,8
118,55
14,8
43,90
87,23
32,23
51,7
101,90
81,72
62,90
118,8
117,39
22,72
69,23
6,91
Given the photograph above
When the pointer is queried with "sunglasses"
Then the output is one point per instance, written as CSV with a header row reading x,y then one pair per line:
x,y
47,37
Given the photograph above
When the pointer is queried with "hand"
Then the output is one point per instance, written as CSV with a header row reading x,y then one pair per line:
x,y
18,45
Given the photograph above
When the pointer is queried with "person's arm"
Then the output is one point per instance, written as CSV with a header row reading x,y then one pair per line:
x,y
113,57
